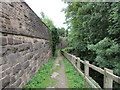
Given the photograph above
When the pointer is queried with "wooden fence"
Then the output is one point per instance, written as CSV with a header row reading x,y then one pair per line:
x,y
109,77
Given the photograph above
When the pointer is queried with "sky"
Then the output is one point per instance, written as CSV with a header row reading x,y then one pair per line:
x,y
51,8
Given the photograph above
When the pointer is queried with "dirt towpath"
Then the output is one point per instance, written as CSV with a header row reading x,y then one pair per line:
x,y
59,75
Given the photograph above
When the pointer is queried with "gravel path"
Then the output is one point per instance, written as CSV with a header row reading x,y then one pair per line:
x,y
62,82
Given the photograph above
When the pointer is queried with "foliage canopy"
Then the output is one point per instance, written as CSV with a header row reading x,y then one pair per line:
x,y
95,32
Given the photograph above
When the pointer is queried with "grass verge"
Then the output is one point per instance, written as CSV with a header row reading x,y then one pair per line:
x,y
73,78
42,79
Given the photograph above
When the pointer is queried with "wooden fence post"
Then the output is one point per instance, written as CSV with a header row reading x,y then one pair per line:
x,y
86,71
78,65
108,82
68,57
73,60
76,61
86,68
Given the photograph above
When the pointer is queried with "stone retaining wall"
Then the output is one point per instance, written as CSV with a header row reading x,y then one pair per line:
x,y
25,44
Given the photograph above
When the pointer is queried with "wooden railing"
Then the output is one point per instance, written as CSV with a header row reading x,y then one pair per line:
x,y
109,77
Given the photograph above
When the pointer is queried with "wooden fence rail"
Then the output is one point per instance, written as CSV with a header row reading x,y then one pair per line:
x,y
109,77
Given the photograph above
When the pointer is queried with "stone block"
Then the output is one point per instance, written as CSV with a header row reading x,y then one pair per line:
x,y
35,41
7,50
17,41
21,85
37,45
23,53
16,69
28,69
3,60
18,82
33,70
21,59
24,78
21,73
31,47
14,49
8,71
28,56
12,79
39,62
23,47
36,56
4,67
13,86
25,64
4,41
10,40
3,51
2,74
5,81
12,59
32,64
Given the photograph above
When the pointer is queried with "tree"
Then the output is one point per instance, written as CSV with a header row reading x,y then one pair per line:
x,y
62,32
95,32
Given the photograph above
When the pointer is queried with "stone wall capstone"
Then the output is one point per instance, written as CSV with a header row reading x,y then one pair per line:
x,y
24,44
